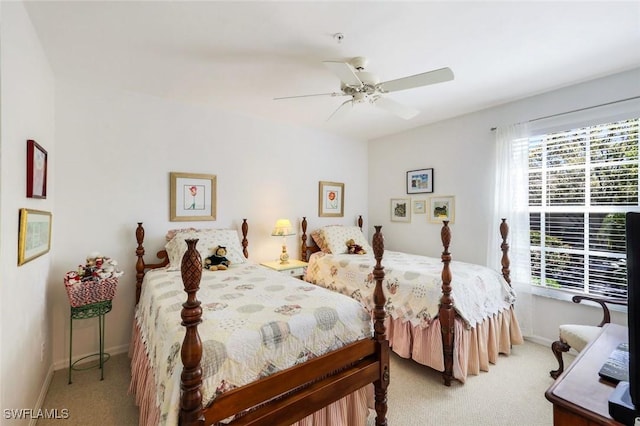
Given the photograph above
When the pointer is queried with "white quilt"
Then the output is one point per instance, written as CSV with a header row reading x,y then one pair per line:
x,y
255,322
413,285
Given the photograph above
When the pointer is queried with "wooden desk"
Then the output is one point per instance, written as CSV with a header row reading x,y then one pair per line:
x,y
579,397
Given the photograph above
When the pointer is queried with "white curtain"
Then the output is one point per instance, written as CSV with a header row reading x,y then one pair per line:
x,y
511,201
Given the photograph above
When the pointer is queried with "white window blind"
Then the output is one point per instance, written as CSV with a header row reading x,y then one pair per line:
x,y
581,183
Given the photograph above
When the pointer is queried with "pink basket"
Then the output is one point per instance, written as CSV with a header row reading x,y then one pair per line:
x,y
92,290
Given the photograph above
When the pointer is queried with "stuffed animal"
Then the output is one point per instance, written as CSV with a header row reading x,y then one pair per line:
x,y
217,261
353,248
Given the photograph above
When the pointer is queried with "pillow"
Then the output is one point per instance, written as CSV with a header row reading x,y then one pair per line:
x,y
318,237
207,240
335,239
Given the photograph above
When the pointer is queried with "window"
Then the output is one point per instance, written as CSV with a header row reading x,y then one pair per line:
x,y
581,183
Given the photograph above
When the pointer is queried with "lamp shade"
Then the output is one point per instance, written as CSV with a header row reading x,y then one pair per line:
x,y
283,228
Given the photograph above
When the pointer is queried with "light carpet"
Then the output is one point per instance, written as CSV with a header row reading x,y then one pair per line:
x,y
511,393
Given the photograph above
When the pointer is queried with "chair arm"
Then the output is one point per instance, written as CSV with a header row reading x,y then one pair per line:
x,y
602,301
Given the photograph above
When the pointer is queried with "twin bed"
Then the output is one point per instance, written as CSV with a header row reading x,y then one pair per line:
x,y
261,347
428,300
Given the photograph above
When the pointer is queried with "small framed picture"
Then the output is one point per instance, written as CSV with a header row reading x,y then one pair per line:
x,y
442,208
419,206
400,210
34,236
331,199
419,181
36,170
193,197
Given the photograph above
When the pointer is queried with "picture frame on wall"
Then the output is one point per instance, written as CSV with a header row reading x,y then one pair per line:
x,y
419,206
400,210
192,197
330,199
36,170
442,208
419,181
34,235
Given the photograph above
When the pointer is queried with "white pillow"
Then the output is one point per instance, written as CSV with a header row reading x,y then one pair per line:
x,y
335,238
207,240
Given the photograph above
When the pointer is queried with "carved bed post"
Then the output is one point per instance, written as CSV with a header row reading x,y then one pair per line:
x,y
380,331
504,232
360,222
191,409
245,242
140,261
303,245
446,312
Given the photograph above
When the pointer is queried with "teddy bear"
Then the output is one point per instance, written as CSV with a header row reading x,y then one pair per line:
x,y
353,248
217,261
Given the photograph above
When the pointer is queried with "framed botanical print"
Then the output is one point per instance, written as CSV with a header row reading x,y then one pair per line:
x,y
442,208
331,199
400,210
193,197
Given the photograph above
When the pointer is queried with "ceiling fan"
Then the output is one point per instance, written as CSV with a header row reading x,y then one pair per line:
x,y
363,86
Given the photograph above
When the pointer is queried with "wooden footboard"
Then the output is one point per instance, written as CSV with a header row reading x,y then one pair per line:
x,y
287,396
447,312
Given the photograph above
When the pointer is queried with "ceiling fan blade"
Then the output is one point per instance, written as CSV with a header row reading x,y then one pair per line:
x,y
418,80
344,72
396,108
341,110
308,96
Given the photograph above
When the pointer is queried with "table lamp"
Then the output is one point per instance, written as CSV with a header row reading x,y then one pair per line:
x,y
283,229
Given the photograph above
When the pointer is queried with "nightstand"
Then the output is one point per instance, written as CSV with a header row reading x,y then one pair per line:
x,y
294,268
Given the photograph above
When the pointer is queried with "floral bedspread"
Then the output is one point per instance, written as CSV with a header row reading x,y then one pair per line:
x,y
255,322
413,285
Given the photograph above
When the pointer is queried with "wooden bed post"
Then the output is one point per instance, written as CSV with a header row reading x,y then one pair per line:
x,y
191,409
360,222
380,331
140,261
245,242
446,312
504,232
303,245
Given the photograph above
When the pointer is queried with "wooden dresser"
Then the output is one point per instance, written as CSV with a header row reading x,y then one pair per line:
x,y
579,397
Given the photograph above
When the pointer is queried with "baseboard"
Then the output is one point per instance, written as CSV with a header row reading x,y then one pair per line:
x,y
43,394
546,342
113,350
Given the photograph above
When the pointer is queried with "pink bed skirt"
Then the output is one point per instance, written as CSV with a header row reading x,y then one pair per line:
x,y
350,410
474,349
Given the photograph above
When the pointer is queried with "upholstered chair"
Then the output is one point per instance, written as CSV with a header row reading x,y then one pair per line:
x,y
578,336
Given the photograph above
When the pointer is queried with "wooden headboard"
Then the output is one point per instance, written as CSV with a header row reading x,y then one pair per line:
x,y
308,246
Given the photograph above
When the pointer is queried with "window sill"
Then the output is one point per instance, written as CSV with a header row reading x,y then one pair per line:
x,y
565,295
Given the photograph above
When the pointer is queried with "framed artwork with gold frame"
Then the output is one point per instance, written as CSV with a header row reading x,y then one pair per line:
x,y
193,197
331,199
34,236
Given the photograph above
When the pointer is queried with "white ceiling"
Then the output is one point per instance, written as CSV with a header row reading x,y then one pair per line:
x,y
239,55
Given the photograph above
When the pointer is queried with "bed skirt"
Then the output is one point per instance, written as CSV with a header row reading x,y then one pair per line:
x,y
474,348
353,409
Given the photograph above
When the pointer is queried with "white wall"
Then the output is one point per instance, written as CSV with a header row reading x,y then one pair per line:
x,y
461,151
27,112
116,151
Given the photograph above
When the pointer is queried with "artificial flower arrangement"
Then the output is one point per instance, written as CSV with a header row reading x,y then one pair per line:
x,y
93,282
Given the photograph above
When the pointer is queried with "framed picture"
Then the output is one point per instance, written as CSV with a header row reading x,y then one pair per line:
x,y
331,199
419,206
193,197
400,210
34,238
36,170
442,208
419,181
